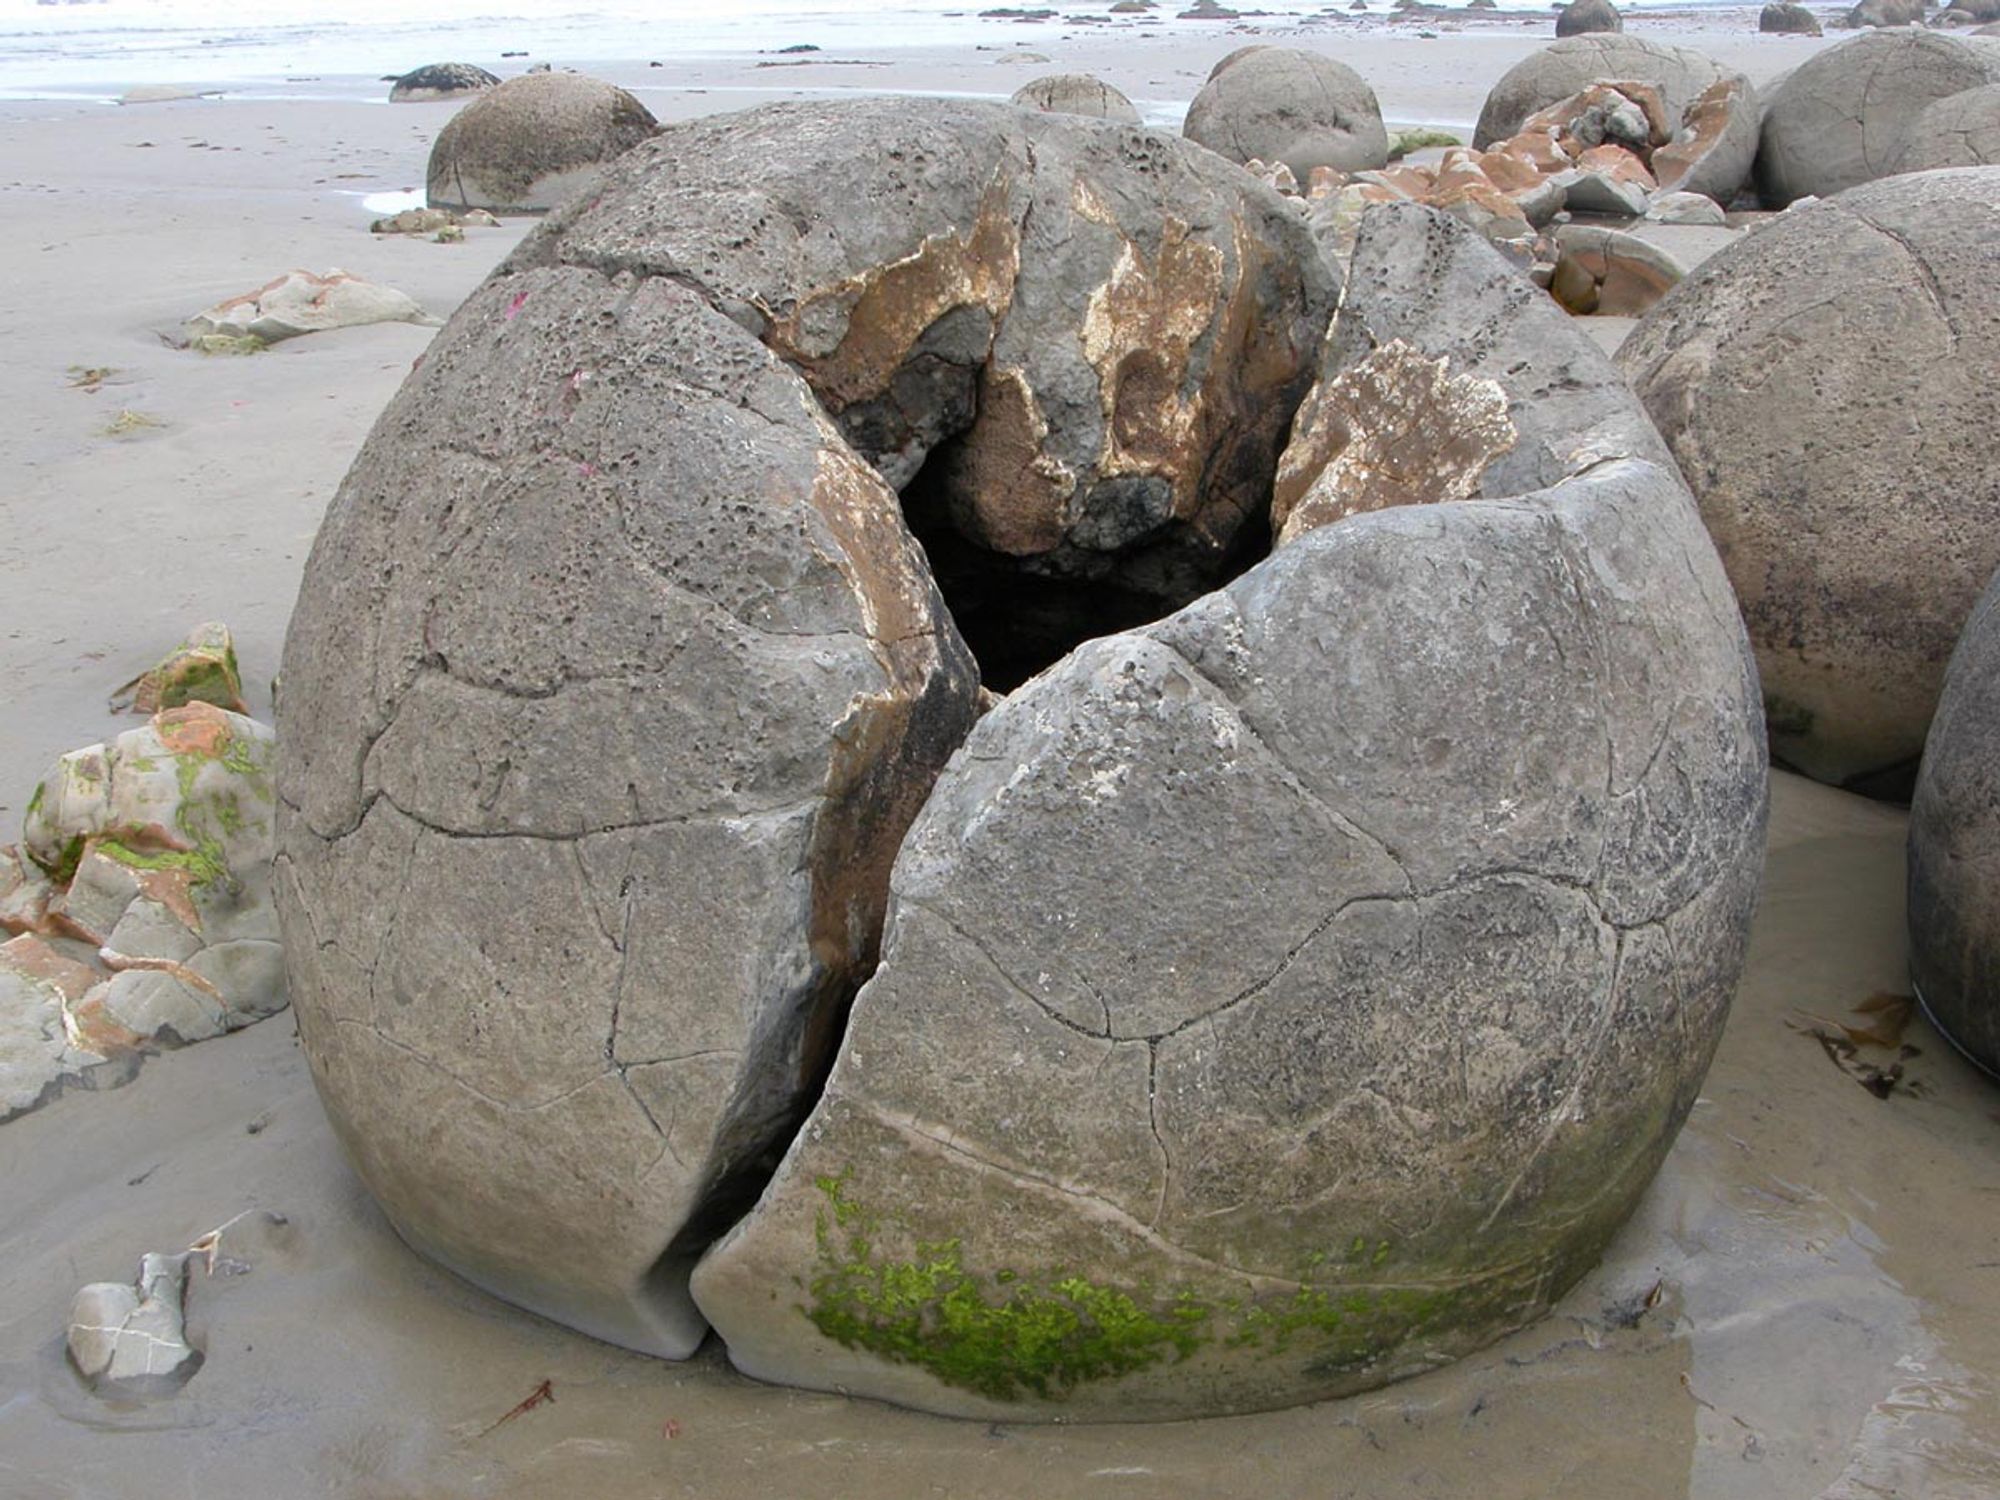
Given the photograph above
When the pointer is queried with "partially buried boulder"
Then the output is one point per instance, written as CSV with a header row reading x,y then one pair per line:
x,y
1840,448
1076,94
1583,16
1784,18
1885,13
525,146
617,676
1960,130
1469,772
1841,116
440,81
1955,847
301,302
1281,104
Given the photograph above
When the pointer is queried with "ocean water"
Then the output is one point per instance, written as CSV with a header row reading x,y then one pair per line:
x,y
87,46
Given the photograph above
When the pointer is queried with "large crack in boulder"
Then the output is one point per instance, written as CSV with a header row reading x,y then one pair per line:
x,y
617,675
1297,992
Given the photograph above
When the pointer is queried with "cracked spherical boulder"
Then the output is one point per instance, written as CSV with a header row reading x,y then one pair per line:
x,y
617,675
1954,841
1583,17
1840,118
1571,65
1076,94
1281,104
1839,446
1297,992
1960,130
524,146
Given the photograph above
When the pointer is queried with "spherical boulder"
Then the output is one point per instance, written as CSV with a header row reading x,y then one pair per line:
x,y
1571,65
440,81
1583,17
1823,384
617,673
1786,18
1469,772
1281,104
528,144
1076,94
1959,130
1955,847
1840,117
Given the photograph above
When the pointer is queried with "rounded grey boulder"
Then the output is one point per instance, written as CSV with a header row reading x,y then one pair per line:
x,y
1785,18
440,81
1076,94
1281,104
1955,847
1569,66
1461,792
528,144
1839,445
1840,117
1960,130
1885,13
617,673
1582,17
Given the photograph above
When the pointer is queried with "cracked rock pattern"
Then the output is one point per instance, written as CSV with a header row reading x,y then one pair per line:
x,y
616,677
1297,992
138,902
130,1338
1841,117
1960,130
1823,386
1574,63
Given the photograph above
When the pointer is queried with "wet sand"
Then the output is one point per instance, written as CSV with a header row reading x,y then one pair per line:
x,y
1822,1265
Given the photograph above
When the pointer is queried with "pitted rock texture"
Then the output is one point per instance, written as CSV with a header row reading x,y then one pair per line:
x,y
1574,63
1838,448
1282,104
1840,118
1077,346
529,143
1298,991
1960,130
617,677
440,81
1955,847
1076,94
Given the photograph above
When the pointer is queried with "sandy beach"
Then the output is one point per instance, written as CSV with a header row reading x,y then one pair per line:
x,y
1804,1305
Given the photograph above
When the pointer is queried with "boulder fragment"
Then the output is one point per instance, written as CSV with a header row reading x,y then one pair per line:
x,y
301,302
131,1338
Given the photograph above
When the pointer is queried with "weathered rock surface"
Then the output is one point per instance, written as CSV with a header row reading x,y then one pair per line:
x,y
440,81
1959,130
1475,789
1281,104
1785,18
1885,13
616,676
1603,271
130,1338
528,144
1840,118
1954,840
1714,147
138,902
201,669
1838,447
301,302
1076,94
1569,66
1581,17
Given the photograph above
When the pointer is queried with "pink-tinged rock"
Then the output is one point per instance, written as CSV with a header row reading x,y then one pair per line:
x,y
301,302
